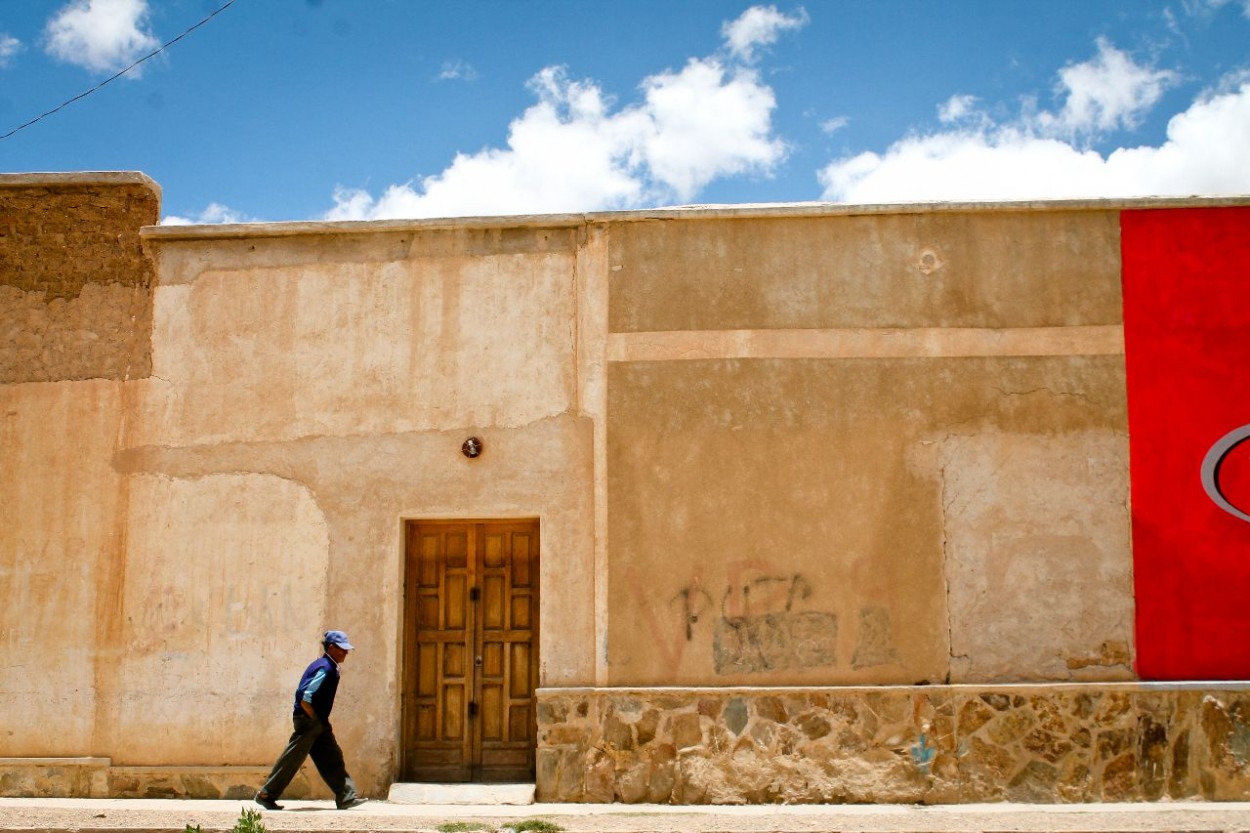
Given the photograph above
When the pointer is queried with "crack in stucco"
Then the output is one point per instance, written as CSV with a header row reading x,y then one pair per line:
x,y
303,487
302,462
1051,391
946,576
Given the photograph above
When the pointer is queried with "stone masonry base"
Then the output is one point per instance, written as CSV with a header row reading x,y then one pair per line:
x,y
908,744
1075,743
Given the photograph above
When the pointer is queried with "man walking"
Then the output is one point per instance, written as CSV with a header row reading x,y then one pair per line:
x,y
313,735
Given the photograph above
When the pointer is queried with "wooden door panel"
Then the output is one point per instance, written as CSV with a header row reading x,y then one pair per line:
x,y
524,558
520,721
520,609
437,745
509,613
493,601
519,669
492,712
471,657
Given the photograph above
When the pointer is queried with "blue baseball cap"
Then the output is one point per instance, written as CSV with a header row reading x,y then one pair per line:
x,y
337,638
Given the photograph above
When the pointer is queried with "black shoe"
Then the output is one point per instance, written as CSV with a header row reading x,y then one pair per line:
x,y
265,800
352,802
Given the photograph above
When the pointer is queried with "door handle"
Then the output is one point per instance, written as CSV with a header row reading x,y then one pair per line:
x,y
472,709
477,661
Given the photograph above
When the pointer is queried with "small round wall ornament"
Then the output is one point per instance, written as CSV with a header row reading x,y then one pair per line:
x,y
471,448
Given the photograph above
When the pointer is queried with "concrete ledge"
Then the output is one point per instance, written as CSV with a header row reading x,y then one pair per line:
x,y
231,782
72,778
163,234
55,761
48,777
487,794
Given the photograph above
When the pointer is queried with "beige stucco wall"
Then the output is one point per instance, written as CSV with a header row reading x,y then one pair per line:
x,y
307,394
887,448
335,380
61,543
75,321
295,342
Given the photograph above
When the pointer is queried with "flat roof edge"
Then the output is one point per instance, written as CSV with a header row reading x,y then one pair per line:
x,y
161,234
170,233
954,206
40,179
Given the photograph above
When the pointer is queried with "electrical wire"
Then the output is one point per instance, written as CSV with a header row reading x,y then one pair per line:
x,y
112,78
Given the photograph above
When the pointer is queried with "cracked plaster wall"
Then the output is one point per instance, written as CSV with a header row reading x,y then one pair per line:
x,y
800,495
772,519
288,365
215,517
1037,556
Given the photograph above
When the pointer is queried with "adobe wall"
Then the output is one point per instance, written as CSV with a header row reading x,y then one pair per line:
x,y
75,285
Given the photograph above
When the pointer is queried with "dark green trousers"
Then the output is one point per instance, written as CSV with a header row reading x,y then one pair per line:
x,y
315,739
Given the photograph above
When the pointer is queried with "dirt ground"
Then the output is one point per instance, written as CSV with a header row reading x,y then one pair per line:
x,y
158,816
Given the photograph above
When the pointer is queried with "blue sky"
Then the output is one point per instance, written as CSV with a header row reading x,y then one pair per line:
x,y
360,109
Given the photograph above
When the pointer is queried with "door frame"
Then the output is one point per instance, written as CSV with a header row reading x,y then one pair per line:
x,y
406,646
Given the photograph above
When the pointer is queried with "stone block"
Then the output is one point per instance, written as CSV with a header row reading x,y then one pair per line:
x,y
662,778
686,730
1119,778
1011,726
600,778
813,725
736,715
632,784
1034,784
771,709
647,725
618,734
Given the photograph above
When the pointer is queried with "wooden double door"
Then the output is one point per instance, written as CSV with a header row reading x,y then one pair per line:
x,y
470,651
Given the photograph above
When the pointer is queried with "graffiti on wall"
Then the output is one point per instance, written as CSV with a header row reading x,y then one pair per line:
x,y
875,645
760,628
775,642
760,620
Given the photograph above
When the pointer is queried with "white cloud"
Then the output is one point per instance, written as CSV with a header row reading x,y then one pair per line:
x,y
100,35
1200,7
9,46
706,122
1106,93
1207,152
574,151
956,108
457,71
759,26
216,213
833,125
1035,156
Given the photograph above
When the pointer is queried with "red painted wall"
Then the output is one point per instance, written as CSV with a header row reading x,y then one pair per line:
x,y
1186,276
